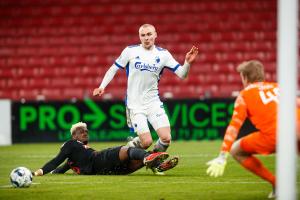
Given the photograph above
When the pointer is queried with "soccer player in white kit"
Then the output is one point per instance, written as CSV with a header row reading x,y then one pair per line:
x,y
144,64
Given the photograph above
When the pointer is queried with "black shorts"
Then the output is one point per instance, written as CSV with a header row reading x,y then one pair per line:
x,y
107,162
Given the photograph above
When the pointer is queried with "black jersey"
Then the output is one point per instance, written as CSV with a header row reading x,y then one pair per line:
x,y
80,158
85,160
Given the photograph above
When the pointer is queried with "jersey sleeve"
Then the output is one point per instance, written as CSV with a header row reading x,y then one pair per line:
x,y
65,151
123,59
171,63
238,117
61,169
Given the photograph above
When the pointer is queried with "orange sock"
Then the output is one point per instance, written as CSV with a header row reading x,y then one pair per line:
x,y
254,165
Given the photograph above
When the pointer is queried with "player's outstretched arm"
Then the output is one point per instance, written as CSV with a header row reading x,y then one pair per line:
x,y
56,161
109,75
217,166
61,169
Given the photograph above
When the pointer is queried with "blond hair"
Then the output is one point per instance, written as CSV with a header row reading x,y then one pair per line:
x,y
77,125
145,26
253,70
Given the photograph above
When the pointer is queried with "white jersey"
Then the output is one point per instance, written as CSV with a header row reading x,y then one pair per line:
x,y
144,68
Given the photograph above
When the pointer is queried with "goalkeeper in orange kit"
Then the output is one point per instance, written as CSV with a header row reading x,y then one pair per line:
x,y
258,102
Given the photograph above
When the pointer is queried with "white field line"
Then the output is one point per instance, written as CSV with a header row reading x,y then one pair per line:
x,y
10,186
146,182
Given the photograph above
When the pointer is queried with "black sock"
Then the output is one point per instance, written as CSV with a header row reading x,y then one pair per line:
x,y
136,153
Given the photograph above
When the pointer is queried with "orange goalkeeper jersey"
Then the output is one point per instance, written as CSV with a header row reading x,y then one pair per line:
x,y
258,102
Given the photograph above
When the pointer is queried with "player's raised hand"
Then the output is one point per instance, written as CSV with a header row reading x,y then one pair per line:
x,y
98,91
191,55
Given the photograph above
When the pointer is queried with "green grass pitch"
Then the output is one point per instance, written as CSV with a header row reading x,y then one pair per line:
x,y
187,181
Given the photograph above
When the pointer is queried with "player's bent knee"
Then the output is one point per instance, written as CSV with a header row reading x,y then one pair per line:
x,y
146,143
146,140
164,134
235,148
232,152
166,140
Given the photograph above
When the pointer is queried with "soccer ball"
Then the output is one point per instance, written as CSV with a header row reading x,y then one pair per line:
x,y
20,177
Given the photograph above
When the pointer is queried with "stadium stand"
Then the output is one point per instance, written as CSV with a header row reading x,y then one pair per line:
x,y
53,50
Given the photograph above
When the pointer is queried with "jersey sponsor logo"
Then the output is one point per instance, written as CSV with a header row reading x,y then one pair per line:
x,y
145,67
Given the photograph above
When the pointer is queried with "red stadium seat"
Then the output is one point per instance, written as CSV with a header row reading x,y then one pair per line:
x,y
38,83
60,82
28,72
8,72
3,84
77,93
16,84
7,94
29,94
52,94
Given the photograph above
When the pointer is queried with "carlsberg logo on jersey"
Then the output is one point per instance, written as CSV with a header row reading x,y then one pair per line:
x,y
143,66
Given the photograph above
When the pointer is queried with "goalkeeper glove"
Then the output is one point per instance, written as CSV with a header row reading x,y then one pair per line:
x,y
217,166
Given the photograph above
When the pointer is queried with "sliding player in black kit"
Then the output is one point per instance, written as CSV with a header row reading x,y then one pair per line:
x,y
115,161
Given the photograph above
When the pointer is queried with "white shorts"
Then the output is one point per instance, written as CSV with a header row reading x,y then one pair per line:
x,y
154,113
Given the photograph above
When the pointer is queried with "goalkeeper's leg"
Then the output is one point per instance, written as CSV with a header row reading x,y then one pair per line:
x,y
251,163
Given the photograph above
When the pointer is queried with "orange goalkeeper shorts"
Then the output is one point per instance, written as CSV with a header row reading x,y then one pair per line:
x,y
258,143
